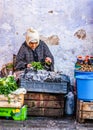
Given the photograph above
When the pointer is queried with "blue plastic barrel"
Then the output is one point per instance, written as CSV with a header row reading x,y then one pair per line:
x,y
78,72
84,85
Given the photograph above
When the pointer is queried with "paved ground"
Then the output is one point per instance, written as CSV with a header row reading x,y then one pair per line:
x,y
43,123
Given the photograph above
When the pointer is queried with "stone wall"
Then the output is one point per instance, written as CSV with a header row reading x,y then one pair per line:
x,y
65,26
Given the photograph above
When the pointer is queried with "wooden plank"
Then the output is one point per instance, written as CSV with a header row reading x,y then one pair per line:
x,y
86,115
45,112
47,104
16,100
86,106
54,97
32,96
53,104
35,111
53,112
44,96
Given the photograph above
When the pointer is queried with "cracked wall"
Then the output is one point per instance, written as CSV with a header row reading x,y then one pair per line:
x,y
65,26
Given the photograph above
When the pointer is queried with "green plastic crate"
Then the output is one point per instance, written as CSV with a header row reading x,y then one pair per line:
x,y
15,113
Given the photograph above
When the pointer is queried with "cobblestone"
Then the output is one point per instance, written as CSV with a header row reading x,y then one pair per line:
x,y
43,123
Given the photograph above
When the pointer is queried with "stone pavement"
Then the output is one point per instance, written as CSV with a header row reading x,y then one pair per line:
x,y
44,123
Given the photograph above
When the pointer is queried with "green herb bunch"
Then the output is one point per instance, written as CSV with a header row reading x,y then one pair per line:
x,y
37,65
7,85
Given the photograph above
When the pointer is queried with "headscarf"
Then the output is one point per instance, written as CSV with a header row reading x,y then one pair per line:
x,y
32,36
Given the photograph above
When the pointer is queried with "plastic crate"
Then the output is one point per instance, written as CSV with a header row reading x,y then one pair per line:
x,y
15,113
47,87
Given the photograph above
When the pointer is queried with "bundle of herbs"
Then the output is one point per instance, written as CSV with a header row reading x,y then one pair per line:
x,y
37,65
40,65
7,85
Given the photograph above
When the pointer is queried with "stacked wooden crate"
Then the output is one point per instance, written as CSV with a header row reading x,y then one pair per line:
x,y
45,104
45,98
12,101
84,110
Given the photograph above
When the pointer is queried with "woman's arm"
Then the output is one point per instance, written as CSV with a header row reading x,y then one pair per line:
x,y
48,54
20,59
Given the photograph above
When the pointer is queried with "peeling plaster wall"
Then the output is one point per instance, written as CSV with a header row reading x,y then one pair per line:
x,y
67,28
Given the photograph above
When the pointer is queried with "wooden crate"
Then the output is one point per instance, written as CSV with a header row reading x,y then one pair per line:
x,y
42,104
84,111
13,100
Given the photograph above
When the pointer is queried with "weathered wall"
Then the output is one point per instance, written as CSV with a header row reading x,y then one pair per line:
x,y
65,25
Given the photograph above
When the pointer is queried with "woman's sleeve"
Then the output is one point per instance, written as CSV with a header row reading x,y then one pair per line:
x,y
20,59
47,53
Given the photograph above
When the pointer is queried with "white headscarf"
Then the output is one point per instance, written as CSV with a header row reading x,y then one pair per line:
x,y
32,36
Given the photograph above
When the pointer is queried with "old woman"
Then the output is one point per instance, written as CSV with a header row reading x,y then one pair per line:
x,y
33,49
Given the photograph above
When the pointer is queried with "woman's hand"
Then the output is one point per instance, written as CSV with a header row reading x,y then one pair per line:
x,y
48,60
29,65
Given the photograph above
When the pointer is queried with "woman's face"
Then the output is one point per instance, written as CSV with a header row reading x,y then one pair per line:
x,y
33,45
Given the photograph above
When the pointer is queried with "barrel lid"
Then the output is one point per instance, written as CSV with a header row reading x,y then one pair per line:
x,y
84,77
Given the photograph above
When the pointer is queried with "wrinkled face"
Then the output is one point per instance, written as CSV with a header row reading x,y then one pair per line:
x,y
33,45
